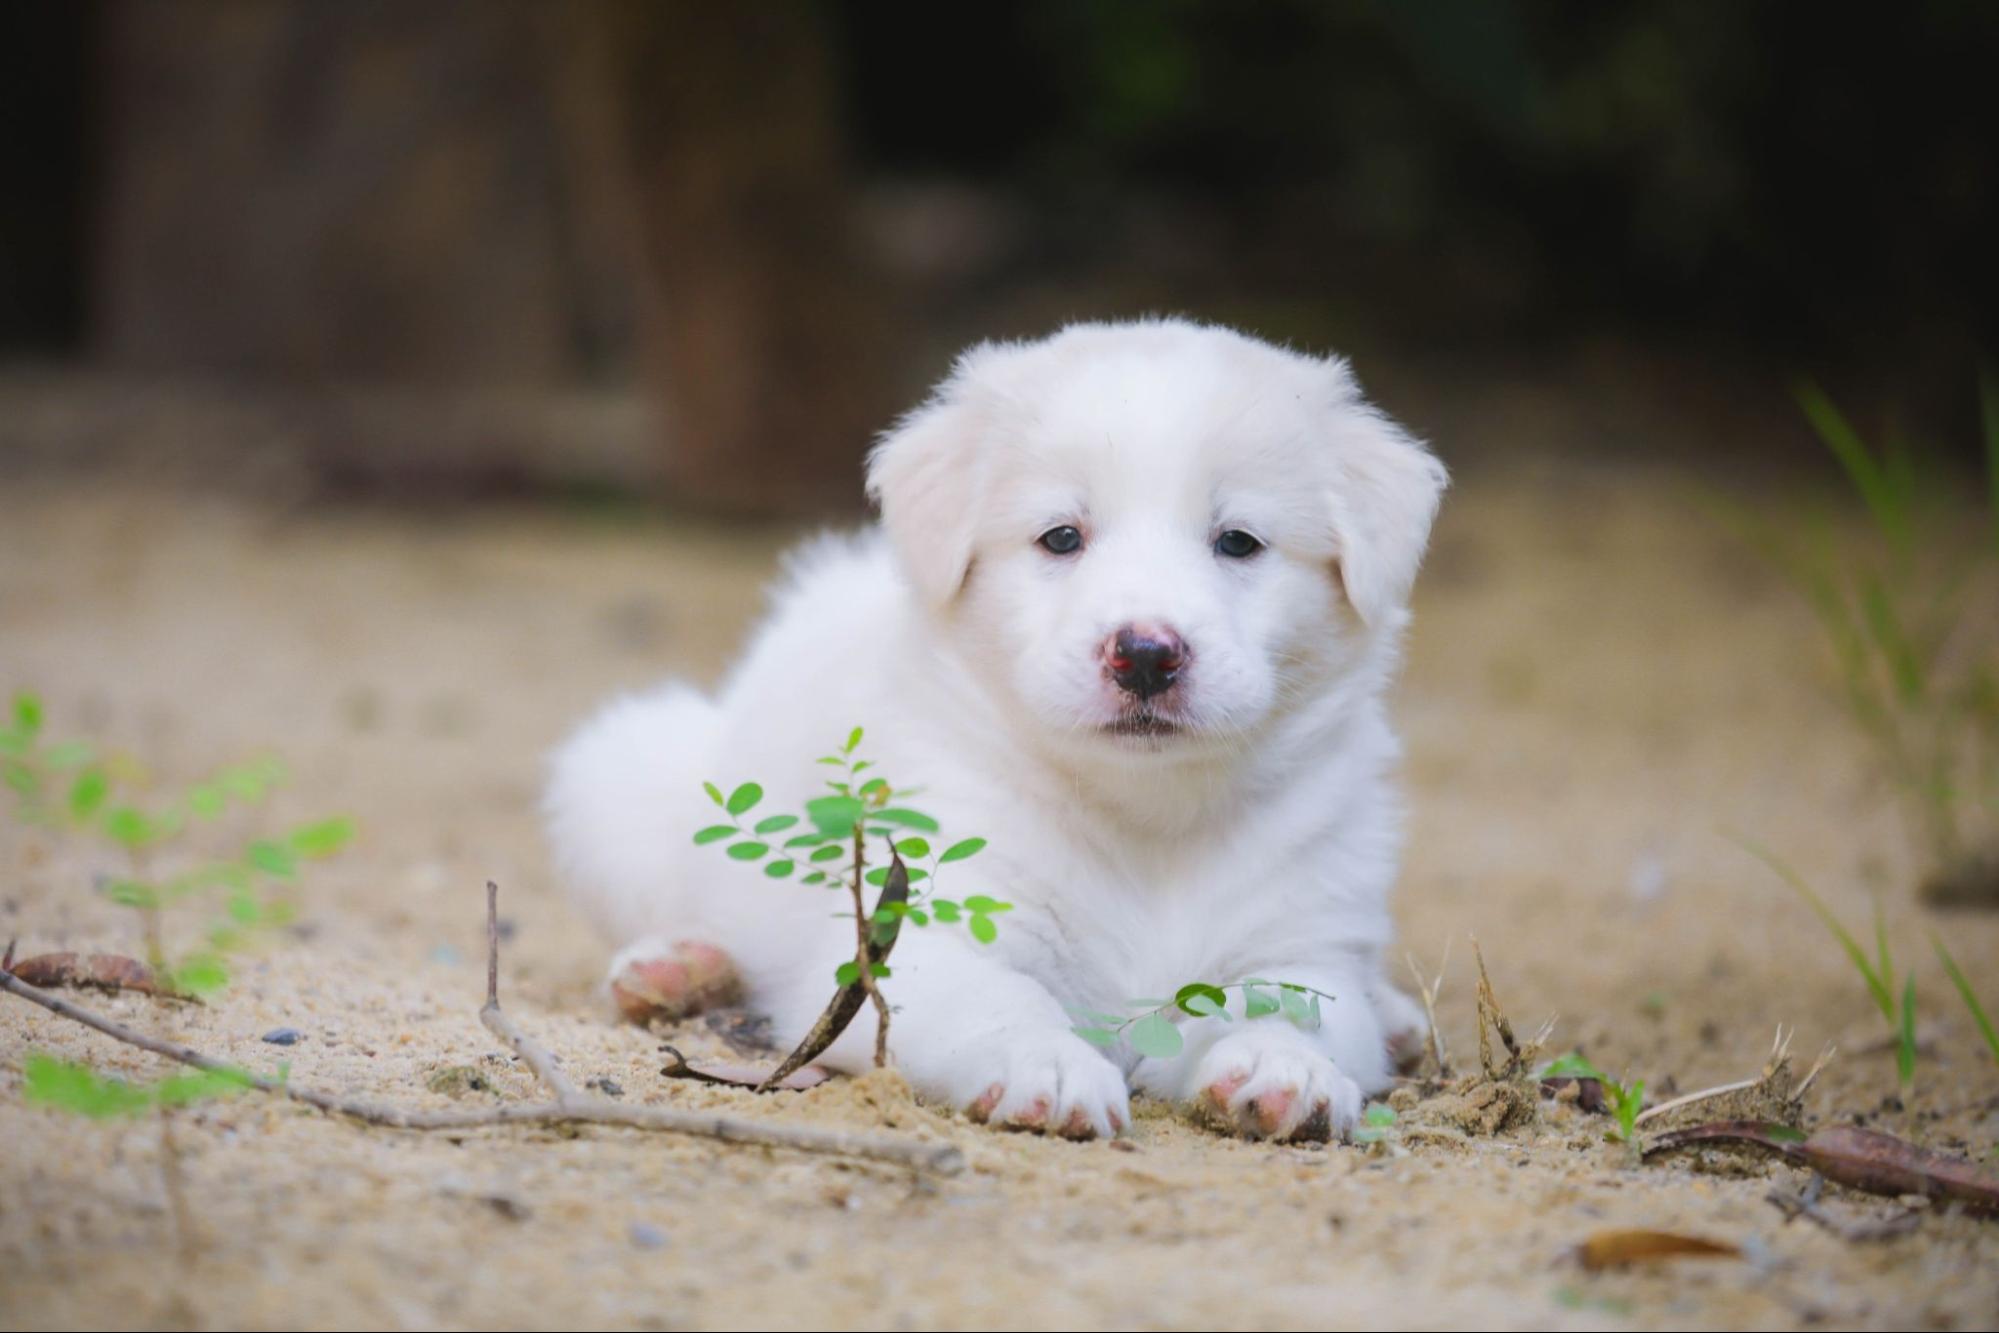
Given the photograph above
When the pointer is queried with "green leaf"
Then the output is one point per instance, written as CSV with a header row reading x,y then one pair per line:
x,y
780,869
322,839
1297,1009
776,823
714,833
20,777
132,893
199,1085
272,859
829,853
983,930
87,793
207,800
200,974
128,827
1573,1065
816,877
714,793
835,816
1155,1037
1199,999
47,1081
805,840
912,847
944,909
744,798
1096,1036
880,971
1379,1114
978,902
747,851
853,740
871,786
958,851
915,819
27,715
1257,1003
847,973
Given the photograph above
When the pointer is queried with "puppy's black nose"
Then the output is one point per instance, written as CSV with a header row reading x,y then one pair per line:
x,y
1144,659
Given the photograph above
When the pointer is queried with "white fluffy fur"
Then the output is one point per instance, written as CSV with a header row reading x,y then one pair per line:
x,y
1260,839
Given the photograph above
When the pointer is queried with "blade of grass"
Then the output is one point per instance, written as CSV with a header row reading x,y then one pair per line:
x,y
1876,486
1884,999
1963,984
1885,965
1988,397
1905,1046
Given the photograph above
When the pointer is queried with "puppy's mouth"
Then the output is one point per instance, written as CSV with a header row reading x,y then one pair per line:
x,y
1142,724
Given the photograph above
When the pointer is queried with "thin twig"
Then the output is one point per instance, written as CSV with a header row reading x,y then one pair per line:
x,y
568,1107
1429,991
1806,1205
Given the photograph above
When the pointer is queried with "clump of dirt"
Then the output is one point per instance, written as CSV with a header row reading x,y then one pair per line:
x,y
1475,1105
1776,1095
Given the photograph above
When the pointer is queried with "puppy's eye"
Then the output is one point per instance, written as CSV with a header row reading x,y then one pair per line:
x,y
1061,541
1237,544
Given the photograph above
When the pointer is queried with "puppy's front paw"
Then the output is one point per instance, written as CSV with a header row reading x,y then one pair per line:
x,y
1269,1082
1053,1083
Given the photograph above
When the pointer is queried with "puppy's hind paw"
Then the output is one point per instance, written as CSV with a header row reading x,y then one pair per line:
x,y
656,981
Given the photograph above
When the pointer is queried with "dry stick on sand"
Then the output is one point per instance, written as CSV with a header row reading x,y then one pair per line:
x,y
568,1107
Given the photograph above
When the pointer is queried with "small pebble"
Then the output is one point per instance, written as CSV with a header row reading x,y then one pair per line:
x,y
647,1236
610,1087
282,1036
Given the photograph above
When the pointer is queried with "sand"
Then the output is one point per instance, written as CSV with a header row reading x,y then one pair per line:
x,y
1600,685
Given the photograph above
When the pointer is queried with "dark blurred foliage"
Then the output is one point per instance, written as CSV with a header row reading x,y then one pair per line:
x,y
1822,176
710,200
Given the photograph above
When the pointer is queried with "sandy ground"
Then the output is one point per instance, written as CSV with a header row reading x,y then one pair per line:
x,y
1599,686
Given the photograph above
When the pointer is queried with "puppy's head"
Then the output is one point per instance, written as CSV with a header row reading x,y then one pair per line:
x,y
1153,535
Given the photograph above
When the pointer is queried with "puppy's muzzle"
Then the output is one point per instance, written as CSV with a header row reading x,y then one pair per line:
x,y
1145,660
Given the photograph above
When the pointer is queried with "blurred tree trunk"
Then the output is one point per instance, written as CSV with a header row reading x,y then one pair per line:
x,y
766,334
502,194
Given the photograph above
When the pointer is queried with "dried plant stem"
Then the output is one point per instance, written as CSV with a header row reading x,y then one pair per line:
x,y
568,1107
863,953
1429,990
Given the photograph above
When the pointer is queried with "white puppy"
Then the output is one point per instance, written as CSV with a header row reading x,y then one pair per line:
x,y
1137,594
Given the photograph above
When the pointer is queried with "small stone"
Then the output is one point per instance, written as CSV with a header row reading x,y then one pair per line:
x,y
610,1087
646,1236
283,1036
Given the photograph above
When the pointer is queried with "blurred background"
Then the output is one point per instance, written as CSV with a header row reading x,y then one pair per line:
x,y
697,254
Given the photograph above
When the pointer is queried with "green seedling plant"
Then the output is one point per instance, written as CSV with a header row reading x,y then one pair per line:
x,y
826,845
68,788
1878,973
1149,1028
1911,614
1624,1100
1377,1124
1969,996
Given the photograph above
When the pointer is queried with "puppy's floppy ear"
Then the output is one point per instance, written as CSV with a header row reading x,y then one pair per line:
x,y
927,476
1384,497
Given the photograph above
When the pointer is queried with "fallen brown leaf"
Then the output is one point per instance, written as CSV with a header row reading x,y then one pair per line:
x,y
1623,1247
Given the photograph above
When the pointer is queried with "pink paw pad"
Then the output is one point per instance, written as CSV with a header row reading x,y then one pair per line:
x,y
692,977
